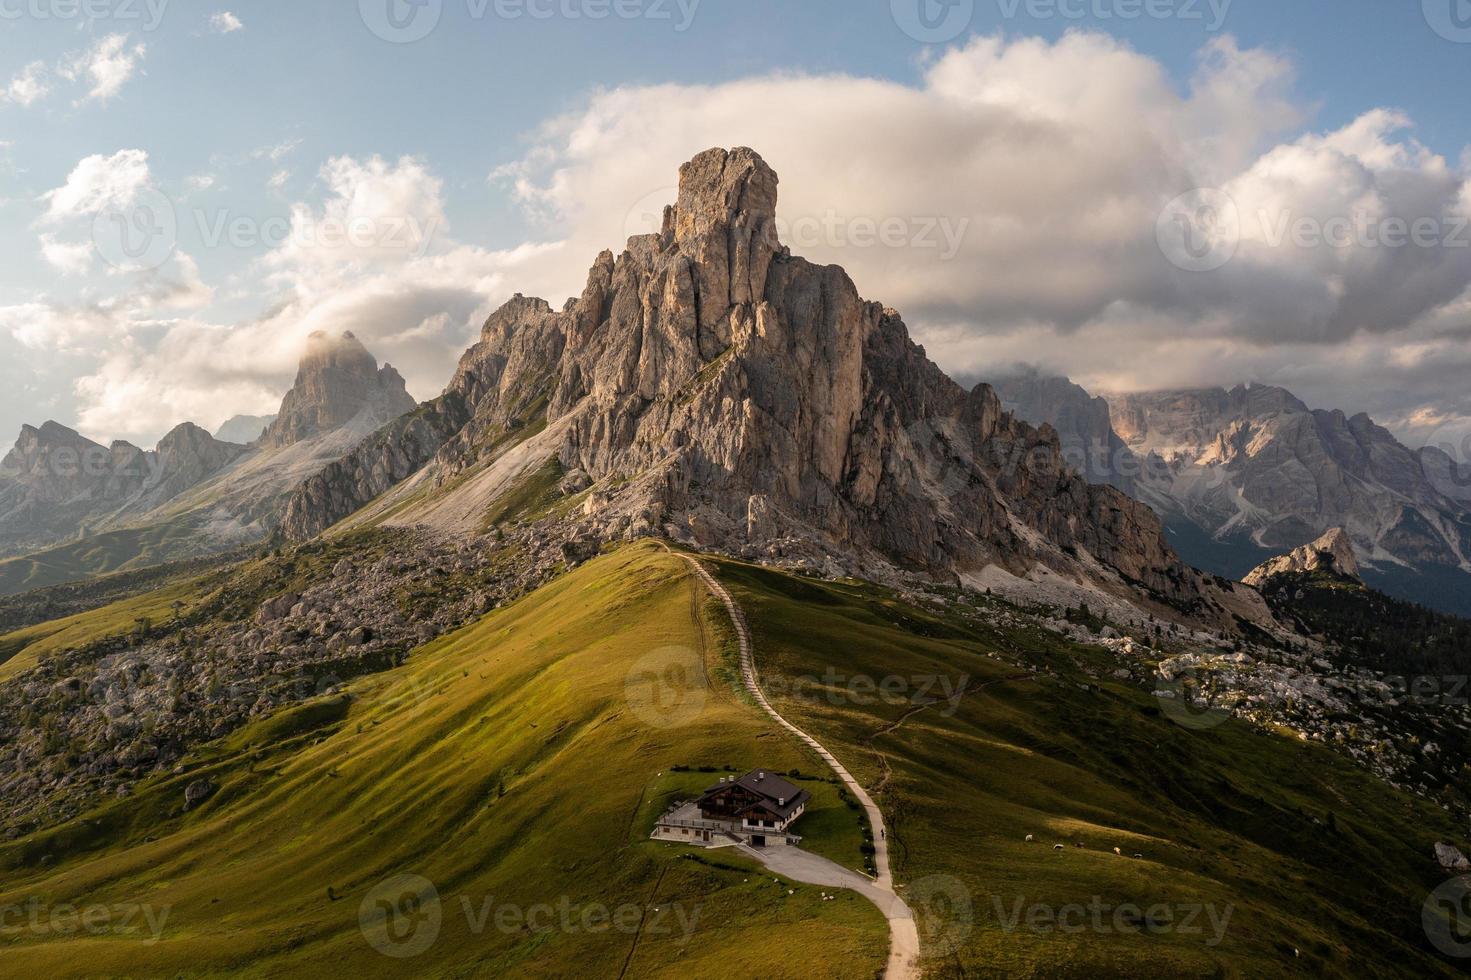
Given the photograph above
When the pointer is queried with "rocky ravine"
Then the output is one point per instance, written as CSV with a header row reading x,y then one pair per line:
x,y
711,386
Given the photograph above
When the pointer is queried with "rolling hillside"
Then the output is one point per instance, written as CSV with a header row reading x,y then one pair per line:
x,y
519,763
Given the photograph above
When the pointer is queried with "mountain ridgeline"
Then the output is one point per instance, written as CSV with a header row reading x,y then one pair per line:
x,y
1241,475
709,385
71,508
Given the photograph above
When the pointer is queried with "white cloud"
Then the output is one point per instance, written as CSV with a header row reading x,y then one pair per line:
x,y
412,304
278,179
225,22
68,258
276,151
374,211
28,87
1052,161
106,66
97,182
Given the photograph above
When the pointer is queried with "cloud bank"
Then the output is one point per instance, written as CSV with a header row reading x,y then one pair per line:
x,y
1013,203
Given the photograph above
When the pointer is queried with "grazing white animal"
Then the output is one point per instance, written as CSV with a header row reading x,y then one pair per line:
x,y
1118,852
1057,847
1029,838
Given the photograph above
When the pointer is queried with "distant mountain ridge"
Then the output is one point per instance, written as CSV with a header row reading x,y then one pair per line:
x,y
55,483
243,429
70,507
1240,475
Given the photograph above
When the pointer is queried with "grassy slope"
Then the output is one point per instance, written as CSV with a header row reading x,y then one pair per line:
x,y
23,648
1225,816
98,554
508,762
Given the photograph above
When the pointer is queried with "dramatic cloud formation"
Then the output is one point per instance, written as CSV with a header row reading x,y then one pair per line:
x,y
372,256
1049,167
1020,204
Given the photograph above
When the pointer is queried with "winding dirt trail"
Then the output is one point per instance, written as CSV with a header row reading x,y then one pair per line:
x,y
903,934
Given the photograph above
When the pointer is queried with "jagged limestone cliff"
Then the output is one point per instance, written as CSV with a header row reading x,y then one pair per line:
x,y
709,385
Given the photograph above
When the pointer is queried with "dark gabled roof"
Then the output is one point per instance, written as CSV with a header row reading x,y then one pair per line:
x,y
776,793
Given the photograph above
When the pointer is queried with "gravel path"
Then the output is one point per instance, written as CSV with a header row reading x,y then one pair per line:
x,y
903,935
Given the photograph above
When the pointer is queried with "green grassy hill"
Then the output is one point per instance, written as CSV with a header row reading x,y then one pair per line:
x,y
1322,869
516,765
22,648
519,763
99,554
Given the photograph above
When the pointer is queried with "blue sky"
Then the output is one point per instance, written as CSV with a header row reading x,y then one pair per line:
x,y
239,108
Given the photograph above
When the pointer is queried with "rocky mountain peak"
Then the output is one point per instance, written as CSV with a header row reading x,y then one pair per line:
x,y
338,383
1334,551
712,387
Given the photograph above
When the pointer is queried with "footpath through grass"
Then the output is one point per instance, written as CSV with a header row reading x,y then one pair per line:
x,y
514,766
1259,855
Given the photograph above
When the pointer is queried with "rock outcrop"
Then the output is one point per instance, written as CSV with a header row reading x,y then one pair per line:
x,y
337,384
716,388
1333,552
1083,424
